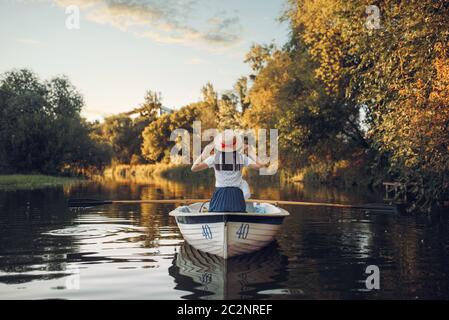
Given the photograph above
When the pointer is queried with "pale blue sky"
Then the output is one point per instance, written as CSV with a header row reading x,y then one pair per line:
x,y
125,47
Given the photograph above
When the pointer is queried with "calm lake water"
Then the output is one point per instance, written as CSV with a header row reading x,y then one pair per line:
x,y
137,252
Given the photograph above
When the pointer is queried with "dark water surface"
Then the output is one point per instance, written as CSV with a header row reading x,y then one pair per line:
x,y
137,252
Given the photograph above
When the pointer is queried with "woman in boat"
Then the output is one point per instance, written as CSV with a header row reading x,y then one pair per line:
x,y
228,162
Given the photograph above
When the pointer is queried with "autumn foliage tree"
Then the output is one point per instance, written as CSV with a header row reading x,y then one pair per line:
x,y
343,87
397,71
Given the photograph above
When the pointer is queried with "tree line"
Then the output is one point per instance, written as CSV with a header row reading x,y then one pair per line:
x,y
349,101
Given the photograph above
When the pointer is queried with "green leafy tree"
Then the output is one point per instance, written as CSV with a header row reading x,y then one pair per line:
x,y
41,128
228,116
156,136
241,89
118,131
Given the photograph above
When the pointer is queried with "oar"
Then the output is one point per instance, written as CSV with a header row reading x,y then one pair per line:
x,y
95,202
85,203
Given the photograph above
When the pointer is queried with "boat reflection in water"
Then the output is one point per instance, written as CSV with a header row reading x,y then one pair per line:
x,y
208,276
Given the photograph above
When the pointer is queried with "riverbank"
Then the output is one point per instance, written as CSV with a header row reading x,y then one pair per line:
x,y
33,181
143,172
340,174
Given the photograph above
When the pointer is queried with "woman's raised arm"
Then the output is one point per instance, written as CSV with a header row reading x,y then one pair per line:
x,y
199,165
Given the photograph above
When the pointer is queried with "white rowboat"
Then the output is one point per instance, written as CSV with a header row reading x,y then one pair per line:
x,y
228,234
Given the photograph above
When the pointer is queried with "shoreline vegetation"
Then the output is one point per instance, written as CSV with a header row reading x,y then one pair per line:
x,y
353,105
342,175
11,182
144,173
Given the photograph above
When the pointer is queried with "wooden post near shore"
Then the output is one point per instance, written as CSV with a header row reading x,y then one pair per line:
x,y
395,192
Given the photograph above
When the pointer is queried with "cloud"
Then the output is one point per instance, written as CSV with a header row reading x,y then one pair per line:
x,y
79,3
194,61
164,21
28,41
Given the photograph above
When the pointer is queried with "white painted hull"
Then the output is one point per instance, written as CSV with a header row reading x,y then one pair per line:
x,y
229,234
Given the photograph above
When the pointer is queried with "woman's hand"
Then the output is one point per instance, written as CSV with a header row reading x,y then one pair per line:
x,y
208,151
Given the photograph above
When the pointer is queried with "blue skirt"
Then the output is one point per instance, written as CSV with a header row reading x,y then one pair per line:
x,y
227,199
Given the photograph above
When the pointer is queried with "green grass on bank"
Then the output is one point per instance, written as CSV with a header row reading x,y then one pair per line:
x,y
33,181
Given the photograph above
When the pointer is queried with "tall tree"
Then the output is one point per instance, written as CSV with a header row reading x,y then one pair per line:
x,y
395,71
156,136
241,88
150,106
228,116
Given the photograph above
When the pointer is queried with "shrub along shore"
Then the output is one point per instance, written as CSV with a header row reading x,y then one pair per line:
x,y
145,172
342,175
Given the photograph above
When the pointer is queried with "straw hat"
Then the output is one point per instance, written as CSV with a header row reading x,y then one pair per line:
x,y
228,141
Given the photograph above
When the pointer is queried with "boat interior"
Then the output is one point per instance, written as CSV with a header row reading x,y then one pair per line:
x,y
250,208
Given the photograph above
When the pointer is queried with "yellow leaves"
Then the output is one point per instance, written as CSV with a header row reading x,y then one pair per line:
x,y
416,129
265,94
325,30
440,94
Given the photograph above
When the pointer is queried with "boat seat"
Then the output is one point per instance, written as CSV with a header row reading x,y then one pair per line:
x,y
185,209
250,208
255,208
